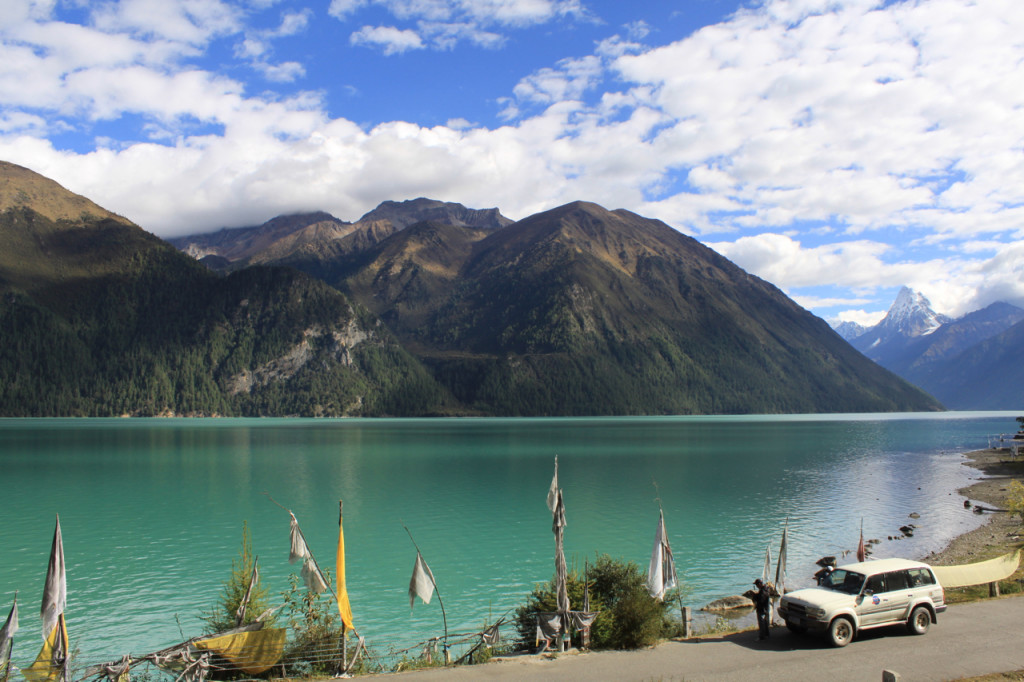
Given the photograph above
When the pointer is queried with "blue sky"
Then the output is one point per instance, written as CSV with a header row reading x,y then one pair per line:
x,y
839,149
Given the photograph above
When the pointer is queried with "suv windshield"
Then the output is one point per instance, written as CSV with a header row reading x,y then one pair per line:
x,y
844,581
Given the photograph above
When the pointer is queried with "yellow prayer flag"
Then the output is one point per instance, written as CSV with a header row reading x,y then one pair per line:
x,y
49,664
251,652
344,608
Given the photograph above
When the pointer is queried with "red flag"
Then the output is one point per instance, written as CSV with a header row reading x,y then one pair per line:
x,y
862,554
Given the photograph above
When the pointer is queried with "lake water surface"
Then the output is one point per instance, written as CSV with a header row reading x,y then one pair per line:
x,y
152,510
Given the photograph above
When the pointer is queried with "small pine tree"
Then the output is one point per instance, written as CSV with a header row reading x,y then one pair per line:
x,y
222,616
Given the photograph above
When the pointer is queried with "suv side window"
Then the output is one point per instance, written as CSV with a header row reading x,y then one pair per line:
x,y
920,577
875,583
897,580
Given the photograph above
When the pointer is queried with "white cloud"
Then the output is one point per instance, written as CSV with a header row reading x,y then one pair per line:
x,y
857,114
392,40
341,9
446,36
188,21
567,81
862,317
877,124
284,72
257,48
442,24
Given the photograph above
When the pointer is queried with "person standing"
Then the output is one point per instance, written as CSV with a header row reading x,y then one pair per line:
x,y
763,606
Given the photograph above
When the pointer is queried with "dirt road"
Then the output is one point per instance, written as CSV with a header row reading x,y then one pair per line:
x,y
969,639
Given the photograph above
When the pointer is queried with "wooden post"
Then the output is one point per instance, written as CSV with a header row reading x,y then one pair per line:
x,y
993,589
687,622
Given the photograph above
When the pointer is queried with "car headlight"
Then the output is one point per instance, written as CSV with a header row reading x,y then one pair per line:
x,y
816,613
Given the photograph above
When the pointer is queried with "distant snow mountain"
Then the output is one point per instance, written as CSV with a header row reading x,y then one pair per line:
x,y
910,316
848,330
931,350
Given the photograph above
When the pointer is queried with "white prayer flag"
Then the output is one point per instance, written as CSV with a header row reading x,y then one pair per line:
x,y
661,574
780,567
8,631
312,576
55,590
422,583
299,550
553,489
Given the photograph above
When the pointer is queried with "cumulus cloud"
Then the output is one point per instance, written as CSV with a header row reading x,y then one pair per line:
x,y
864,123
188,21
390,39
848,112
442,24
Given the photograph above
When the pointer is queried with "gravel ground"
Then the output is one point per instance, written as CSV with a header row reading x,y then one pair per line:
x,y
1003,532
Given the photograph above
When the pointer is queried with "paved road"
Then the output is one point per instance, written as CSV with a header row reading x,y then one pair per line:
x,y
969,639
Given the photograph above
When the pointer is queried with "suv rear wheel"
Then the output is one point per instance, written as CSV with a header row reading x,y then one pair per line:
x,y
840,632
920,620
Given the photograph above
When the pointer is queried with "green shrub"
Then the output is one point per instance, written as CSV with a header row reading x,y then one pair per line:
x,y
315,644
628,617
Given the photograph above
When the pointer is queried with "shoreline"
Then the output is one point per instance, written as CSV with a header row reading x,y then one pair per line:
x,y
999,534
1002,532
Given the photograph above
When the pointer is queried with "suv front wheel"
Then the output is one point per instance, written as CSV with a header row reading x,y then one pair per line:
x,y
840,631
920,620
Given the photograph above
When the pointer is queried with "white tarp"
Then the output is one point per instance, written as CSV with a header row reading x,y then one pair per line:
x,y
981,573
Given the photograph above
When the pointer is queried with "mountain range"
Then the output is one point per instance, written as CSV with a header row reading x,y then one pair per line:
x,y
418,308
100,318
970,363
581,310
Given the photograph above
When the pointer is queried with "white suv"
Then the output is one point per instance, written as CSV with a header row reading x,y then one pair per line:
x,y
867,595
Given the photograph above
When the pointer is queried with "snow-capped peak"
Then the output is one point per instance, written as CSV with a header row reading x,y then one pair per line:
x,y
911,315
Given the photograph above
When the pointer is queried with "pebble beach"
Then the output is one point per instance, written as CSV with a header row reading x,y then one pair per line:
x,y
1002,532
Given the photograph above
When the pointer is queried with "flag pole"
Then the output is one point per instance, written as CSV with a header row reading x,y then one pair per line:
x,y
344,629
444,616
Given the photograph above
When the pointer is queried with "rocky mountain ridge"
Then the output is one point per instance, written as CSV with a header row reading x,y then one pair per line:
x,y
574,311
582,310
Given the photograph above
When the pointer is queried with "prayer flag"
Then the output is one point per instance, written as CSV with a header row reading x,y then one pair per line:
x,y
561,577
553,488
311,574
7,633
422,582
244,604
50,663
55,590
661,574
780,567
344,608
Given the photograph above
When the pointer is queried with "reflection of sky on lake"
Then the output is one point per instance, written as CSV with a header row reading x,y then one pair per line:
x,y
152,510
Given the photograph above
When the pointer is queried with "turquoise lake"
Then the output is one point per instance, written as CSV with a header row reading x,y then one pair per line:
x,y
152,510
